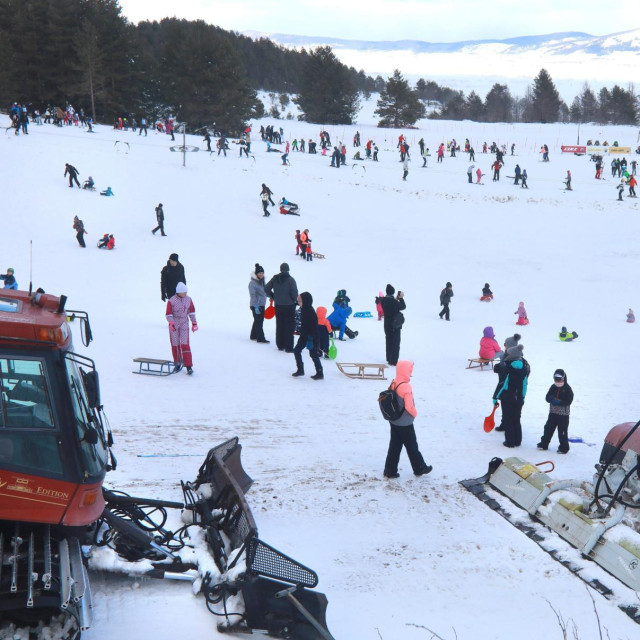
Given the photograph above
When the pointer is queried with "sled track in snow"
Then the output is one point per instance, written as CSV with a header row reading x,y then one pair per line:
x,y
534,531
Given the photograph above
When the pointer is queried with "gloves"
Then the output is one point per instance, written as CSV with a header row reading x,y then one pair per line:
x,y
172,326
194,326
256,310
554,401
495,401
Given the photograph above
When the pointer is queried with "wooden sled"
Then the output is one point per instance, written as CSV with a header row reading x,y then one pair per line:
x,y
320,256
474,363
362,371
153,367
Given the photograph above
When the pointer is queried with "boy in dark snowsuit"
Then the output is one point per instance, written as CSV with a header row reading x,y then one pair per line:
x,y
559,397
308,334
511,391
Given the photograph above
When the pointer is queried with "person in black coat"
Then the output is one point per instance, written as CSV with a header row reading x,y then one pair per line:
x,y
511,391
559,397
393,320
72,172
445,298
309,337
268,192
160,219
283,290
171,274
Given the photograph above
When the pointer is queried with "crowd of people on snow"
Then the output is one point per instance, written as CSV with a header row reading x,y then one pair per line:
x,y
317,328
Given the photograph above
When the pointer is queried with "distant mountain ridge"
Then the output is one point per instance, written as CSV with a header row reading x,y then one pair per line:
x,y
563,43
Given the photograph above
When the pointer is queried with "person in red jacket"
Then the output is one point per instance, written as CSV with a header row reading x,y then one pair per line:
x,y
403,433
496,166
632,186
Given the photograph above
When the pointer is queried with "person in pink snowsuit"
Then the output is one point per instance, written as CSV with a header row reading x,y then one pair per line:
x,y
479,175
521,312
379,306
489,347
180,310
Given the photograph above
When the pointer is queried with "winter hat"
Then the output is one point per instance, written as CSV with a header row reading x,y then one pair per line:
x,y
486,284
512,341
390,290
307,298
488,332
284,267
515,353
564,330
342,293
10,270
449,284
174,257
181,287
259,269
559,374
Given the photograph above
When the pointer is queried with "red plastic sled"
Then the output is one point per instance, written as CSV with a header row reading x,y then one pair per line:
x,y
270,311
489,421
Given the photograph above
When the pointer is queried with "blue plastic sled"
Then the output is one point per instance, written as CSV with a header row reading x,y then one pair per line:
x,y
362,314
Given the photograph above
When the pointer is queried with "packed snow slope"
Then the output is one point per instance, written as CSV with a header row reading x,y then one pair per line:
x,y
395,557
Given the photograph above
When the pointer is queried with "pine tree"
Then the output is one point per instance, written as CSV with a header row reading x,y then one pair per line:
x,y
588,104
623,106
499,104
398,106
546,99
474,108
327,92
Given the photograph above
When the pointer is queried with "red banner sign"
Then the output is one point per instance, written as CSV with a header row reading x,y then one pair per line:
x,y
573,149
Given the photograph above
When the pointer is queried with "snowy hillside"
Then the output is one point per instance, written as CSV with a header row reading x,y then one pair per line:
x,y
571,58
395,557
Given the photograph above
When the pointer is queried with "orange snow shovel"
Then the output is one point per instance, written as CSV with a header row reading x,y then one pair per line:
x,y
269,312
489,421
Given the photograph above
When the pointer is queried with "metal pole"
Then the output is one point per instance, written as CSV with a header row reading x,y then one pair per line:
x,y
184,144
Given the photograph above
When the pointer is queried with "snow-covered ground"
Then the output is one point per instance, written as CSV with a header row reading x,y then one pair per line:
x,y
394,557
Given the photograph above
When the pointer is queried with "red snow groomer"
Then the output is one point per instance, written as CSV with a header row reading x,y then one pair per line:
x,y
55,450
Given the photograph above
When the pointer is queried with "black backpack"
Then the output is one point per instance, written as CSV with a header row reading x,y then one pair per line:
x,y
389,404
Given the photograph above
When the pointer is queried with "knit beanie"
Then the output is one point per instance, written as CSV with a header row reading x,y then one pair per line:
x,y
512,341
181,287
284,267
174,256
390,290
488,332
515,353
258,269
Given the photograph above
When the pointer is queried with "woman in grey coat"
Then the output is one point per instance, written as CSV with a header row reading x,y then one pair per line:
x,y
257,300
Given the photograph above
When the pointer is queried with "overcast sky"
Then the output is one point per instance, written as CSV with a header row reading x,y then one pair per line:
x,y
430,20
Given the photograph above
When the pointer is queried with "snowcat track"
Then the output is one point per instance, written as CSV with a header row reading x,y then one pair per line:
x,y
42,577
478,487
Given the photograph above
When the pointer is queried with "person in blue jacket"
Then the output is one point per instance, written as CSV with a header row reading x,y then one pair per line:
x,y
341,311
10,281
510,392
